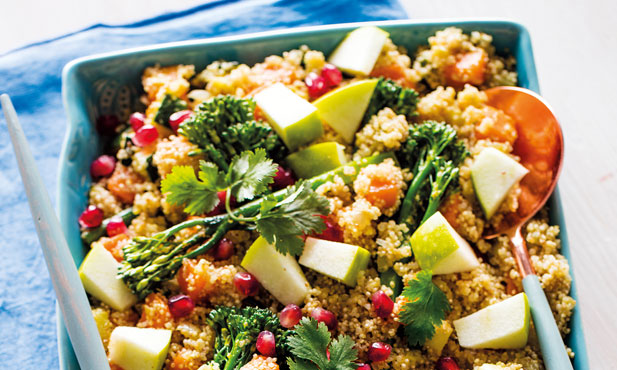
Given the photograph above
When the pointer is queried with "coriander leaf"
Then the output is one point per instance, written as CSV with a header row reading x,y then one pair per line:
x,y
310,343
282,233
426,308
296,215
209,173
343,353
183,188
250,174
301,365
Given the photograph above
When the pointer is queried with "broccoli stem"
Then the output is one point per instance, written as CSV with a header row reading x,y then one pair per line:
x,y
234,355
416,183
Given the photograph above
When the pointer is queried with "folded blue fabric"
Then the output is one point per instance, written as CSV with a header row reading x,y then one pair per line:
x,y
31,76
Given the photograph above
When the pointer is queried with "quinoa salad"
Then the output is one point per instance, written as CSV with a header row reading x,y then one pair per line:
x,y
318,211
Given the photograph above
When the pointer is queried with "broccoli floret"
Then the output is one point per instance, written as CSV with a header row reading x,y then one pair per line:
x,y
169,105
388,93
433,153
236,334
224,127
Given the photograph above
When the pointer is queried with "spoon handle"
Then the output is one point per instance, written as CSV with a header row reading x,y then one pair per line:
x,y
72,298
551,343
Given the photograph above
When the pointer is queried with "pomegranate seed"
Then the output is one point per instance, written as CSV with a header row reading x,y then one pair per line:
x,y
116,226
246,283
316,85
137,120
332,231
379,351
446,363
382,304
107,124
331,75
224,250
283,178
290,316
363,367
266,344
326,317
145,136
180,305
103,166
91,217
178,117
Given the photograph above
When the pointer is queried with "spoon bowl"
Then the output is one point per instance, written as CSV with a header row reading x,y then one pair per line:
x,y
539,145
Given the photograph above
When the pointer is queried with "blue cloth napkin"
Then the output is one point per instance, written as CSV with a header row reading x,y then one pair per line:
x,y
32,76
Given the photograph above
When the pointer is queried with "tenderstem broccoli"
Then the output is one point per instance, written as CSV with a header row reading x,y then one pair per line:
x,y
225,126
433,153
388,93
236,334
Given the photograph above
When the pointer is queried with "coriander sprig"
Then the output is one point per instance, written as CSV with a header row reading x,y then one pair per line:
x,y
426,307
309,345
281,218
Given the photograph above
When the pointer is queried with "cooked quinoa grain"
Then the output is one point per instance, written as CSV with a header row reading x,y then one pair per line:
x,y
363,210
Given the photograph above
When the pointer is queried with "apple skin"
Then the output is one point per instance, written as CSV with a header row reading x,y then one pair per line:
x,y
439,248
339,261
135,348
317,159
294,119
99,276
278,274
359,50
343,108
503,325
493,174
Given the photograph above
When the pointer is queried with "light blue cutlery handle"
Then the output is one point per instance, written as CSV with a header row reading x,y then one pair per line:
x,y
551,343
72,298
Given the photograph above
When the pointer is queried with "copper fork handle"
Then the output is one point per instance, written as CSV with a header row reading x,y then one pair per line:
x,y
519,249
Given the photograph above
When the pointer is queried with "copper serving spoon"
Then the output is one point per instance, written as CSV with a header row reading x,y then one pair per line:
x,y
540,147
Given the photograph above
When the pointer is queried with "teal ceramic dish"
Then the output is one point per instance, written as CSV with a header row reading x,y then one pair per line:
x,y
110,83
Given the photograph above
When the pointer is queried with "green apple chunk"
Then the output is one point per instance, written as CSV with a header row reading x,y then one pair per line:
x,y
343,108
339,261
493,174
503,325
358,52
438,247
279,274
294,119
99,275
317,159
139,348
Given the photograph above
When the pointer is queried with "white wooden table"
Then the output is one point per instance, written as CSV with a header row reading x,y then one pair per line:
x,y
575,45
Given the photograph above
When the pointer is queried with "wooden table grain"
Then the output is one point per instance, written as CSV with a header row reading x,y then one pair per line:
x,y
575,45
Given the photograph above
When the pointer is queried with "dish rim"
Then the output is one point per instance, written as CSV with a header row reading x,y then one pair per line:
x,y
70,78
